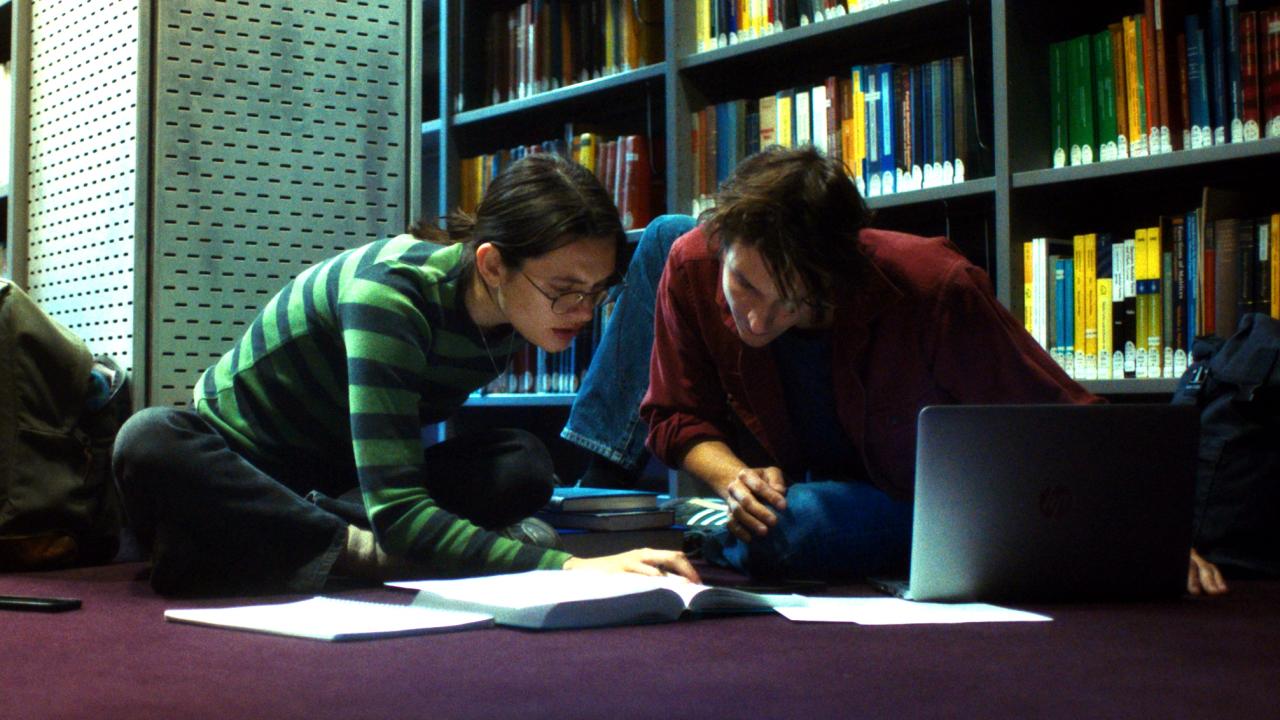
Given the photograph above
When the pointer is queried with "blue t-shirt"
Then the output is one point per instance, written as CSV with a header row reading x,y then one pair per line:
x,y
804,367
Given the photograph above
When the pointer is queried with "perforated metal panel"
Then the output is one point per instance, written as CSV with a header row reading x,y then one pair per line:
x,y
80,163
280,138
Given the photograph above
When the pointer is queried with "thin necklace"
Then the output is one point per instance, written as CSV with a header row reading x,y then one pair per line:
x,y
488,352
483,340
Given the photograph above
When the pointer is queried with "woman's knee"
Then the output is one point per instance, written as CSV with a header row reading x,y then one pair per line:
x,y
526,475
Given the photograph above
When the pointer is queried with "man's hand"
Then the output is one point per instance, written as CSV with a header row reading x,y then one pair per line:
x,y
752,496
645,561
1203,577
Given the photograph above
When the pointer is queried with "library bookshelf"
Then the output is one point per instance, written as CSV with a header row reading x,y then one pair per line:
x,y
1010,193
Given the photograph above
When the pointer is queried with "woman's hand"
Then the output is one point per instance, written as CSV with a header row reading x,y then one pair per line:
x,y
645,561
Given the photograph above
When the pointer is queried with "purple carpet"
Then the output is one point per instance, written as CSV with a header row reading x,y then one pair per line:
x,y
118,658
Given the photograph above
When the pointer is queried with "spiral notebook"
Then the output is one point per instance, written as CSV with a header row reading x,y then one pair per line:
x,y
333,619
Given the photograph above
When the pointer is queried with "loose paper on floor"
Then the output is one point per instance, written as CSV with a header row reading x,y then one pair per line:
x,y
893,611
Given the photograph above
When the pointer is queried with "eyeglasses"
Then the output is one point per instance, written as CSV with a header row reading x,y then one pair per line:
x,y
565,303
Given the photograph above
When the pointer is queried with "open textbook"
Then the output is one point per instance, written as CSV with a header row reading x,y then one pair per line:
x,y
326,618
550,599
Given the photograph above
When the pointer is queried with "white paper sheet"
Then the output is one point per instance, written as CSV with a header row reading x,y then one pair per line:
x,y
893,611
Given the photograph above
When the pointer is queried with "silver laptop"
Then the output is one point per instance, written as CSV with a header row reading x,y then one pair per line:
x,y
1052,502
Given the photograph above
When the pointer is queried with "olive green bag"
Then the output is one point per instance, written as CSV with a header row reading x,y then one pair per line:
x,y
58,503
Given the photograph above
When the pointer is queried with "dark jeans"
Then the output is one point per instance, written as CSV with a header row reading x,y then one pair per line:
x,y
216,524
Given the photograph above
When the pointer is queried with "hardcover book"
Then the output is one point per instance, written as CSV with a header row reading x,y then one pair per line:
x,y
589,499
588,543
553,599
609,520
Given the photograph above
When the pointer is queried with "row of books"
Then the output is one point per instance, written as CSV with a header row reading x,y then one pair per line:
x,y
598,521
624,164
534,370
1109,306
541,45
1157,82
896,127
727,22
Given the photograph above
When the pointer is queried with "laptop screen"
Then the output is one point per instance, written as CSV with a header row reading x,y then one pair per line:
x,y
1053,502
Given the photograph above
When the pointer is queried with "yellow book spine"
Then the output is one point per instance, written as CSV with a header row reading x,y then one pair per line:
x,y
1091,298
1274,256
1028,303
1155,322
858,125
702,15
610,23
1134,113
1077,295
587,151
1140,277
784,120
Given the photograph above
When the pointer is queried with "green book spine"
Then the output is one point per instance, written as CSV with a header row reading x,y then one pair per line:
x,y
1058,100
1104,96
1081,130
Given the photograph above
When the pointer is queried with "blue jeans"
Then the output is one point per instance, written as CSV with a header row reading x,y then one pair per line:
x,y
605,417
831,529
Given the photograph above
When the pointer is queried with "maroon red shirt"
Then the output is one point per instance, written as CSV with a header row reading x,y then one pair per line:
x,y
924,328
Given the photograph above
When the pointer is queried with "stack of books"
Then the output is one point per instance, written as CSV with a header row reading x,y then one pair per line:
x,y
597,521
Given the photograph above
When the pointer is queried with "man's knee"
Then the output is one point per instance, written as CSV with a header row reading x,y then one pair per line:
x,y
664,230
143,442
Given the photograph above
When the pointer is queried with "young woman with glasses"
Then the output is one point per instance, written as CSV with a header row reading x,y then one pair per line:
x,y
302,457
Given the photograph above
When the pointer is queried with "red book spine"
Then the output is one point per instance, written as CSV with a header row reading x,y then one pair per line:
x,y
1271,73
1150,71
1162,64
1249,75
835,112
1182,139
637,209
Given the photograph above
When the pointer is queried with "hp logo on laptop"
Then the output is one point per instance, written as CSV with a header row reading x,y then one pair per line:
x,y
1055,501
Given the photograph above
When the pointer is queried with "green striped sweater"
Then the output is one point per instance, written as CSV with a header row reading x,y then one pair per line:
x,y
343,366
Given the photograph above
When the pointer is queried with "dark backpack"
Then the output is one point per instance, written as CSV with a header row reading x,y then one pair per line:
x,y
59,413
1236,385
